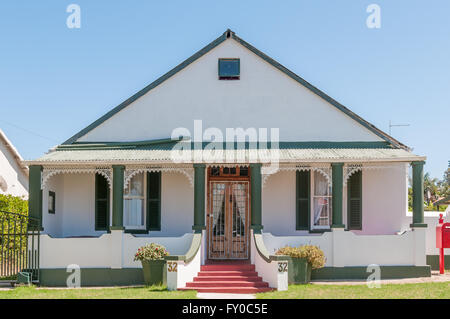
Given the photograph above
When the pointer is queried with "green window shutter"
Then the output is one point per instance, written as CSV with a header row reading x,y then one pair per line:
x,y
354,201
154,201
101,203
303,182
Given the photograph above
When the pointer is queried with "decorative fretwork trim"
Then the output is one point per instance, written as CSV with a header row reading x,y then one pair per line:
x,y
48,172
131,171
322,168
351,169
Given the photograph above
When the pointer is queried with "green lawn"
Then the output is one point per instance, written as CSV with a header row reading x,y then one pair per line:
x,y
436,290
154,292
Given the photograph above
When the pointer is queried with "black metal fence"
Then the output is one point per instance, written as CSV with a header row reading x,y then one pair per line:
x,y
19,247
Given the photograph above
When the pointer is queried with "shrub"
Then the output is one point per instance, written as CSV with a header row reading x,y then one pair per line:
x,y
313,254
13,204
151,252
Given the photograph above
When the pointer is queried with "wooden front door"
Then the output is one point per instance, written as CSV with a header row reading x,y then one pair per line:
x,y
228,219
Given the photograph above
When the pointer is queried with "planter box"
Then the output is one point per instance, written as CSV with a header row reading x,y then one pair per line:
x,y
299,271
154,272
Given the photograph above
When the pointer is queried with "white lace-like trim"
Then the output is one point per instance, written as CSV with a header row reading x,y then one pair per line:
x,y
131,171
48,172
324,169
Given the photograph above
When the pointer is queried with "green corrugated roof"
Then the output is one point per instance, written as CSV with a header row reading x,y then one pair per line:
x,y
288,152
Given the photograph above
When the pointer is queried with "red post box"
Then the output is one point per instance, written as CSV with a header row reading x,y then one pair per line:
x,y
442,240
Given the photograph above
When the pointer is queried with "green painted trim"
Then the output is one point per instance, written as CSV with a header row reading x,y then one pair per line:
x,y
235,76
387,272
168,144
320,93
271,61
156,227
337,194
117,228
35,195
417,187
113,145
264,253
199,196
433,261
56,277
149,87
255,197
108,204
53,195
117,213
308,198
418,225
192,251
350,185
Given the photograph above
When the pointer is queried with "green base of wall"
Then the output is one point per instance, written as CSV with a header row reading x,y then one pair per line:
x,y
94,277
387,272
433,261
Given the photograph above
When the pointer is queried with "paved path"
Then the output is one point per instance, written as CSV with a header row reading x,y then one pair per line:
x,y
435,277
204,295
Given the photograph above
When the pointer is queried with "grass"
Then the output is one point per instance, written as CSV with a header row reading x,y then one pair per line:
x,y
153,292
433,290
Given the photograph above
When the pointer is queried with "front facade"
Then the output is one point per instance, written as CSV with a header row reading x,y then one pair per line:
x,y
229,156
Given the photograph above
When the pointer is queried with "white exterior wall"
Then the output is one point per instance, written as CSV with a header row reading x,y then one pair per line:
x,y
343,248
16,180
262,97
75,206
384,198
114,250
432,220
52,223
177,205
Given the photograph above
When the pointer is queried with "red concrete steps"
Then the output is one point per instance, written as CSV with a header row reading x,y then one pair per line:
x,y
228,278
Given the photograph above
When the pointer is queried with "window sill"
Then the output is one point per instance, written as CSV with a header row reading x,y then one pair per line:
x,y
136,231
318,231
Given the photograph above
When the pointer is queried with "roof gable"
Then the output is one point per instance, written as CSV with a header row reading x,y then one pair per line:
x,y
227,35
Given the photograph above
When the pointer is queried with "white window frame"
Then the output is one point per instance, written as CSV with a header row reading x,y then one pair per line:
x,y
312,197
133,227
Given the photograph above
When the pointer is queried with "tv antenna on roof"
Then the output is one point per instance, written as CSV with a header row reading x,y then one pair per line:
x,y
394,125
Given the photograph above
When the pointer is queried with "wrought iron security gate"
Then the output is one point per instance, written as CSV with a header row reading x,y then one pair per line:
x,y
228,220
19,247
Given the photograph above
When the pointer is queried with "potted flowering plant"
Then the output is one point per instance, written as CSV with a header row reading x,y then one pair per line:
x,y
153,263
303,260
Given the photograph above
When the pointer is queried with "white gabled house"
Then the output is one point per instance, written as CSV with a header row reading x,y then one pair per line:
x,y
13,173
326,177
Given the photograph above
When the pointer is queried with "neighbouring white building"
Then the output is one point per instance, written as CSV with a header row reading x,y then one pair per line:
x,y
13,173
327,177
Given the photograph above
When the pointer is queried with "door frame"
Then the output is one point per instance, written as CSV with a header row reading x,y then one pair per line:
x,y
227,179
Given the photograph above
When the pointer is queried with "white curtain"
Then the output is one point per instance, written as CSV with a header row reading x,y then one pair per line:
x,y
320,189
218,198
134,202
239,197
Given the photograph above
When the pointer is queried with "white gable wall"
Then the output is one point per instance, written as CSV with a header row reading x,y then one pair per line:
x,y
264,97
16,180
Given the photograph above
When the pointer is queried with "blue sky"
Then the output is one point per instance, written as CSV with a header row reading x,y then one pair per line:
x,y
54,80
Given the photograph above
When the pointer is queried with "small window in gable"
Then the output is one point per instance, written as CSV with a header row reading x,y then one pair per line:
x,y
229,69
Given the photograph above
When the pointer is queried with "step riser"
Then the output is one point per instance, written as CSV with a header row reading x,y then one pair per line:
x,y
228,273
235,284
230,290
227,268
227,278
